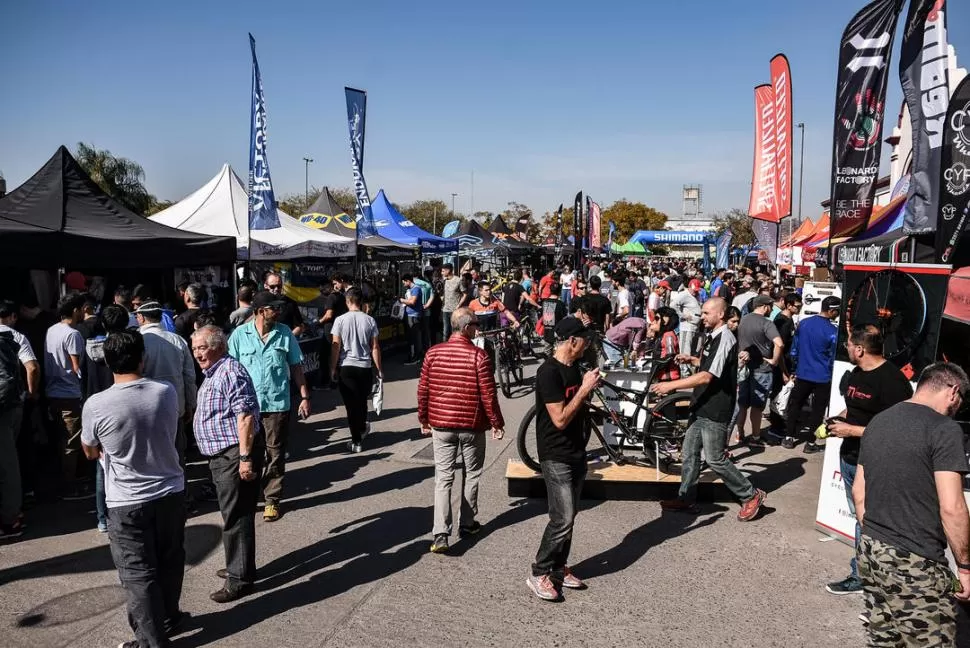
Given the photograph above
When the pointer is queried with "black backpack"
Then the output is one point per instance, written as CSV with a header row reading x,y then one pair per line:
x,y
11,383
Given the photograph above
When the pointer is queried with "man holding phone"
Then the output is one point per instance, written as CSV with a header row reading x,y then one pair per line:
x,y
872,386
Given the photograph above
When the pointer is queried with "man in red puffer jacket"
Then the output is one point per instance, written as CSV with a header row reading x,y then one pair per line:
x,y
457,403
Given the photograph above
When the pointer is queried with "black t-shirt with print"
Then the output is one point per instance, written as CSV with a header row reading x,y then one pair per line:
x,y
558,383
866,394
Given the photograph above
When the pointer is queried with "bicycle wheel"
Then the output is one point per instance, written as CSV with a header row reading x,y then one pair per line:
x,y
667,422
526,442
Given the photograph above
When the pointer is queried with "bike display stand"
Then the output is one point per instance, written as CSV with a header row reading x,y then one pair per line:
x,y
608,481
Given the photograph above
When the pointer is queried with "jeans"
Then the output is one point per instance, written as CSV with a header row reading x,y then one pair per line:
x,y
567,295
709,435
146,546
355,385
237,503
796,400
100,505
564,484
447,444
276,427
614,354
11,495
414,324
425,331
848,478
446,324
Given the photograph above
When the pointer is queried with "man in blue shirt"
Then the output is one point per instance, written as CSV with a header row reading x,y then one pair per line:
x,y
413,311
814,354
271,354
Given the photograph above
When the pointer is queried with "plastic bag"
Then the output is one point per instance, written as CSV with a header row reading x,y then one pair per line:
x,y
779,404
378,396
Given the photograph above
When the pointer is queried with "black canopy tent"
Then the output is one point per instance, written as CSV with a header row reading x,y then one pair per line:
x,y
498,226
61,218
326,214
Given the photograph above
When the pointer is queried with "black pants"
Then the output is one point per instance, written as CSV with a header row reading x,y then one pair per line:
x,y
799,395
564,483
355,385
237,503
777,422
414,325
146,546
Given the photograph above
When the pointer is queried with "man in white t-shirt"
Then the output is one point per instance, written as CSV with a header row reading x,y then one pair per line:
x,y
566,281
622,296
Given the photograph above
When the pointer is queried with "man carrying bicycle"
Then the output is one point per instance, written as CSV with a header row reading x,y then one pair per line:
x,y
561,401
711,410
487,309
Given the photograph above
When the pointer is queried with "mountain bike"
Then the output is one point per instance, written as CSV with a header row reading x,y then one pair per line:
x,y
503,345
659,437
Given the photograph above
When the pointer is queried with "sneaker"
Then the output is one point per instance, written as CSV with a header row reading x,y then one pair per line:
x,y
850,585
11,531
355,447
543,587
750,509
570,580
440,544
411,363
173,625
864,618
472,529
271,513
755,440
679,506
812,448
129,644
788,443
102,527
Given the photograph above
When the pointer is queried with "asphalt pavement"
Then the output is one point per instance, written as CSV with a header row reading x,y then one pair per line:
x,y
348,563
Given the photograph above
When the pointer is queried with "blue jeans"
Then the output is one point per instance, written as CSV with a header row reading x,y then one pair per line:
x,y
848,478
446,324
614,354
564,483
755,391
99,496
709,435
566,295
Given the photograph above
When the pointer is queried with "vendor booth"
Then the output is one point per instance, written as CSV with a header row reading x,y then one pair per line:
x,y
391,224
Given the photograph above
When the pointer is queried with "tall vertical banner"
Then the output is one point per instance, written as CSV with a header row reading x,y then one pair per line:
x,y
356,119
587,235
522,227
722,255
763,205
262,201
577,229
955,176
860,94
609,241
782,88
925,79
559,228
596,215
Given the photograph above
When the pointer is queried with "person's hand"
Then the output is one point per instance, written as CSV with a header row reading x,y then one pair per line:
x,y
515,325
498,433
304,409
964,593
839,429
661,388
335,375
591,379
246,471
380,375
586,319
785,378
426,430
743,358
682,358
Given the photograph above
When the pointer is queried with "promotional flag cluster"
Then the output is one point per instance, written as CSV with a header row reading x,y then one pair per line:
x,y
771,194
955,177
262,201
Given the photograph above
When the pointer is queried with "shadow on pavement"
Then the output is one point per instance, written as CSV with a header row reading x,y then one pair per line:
x,y
775,475
367,543
73,607
640,540
200,540
397,480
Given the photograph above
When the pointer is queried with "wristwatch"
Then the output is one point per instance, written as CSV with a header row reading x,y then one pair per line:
x,y
245,457
963,566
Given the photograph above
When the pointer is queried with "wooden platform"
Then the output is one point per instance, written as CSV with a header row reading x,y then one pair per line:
x,y
609,481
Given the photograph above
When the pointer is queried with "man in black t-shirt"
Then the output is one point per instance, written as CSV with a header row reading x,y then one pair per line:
x,y
561,393
334,305
596,306
712,408
908,494
514,296
873,385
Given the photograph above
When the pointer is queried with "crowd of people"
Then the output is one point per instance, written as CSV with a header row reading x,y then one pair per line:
x,y
136,388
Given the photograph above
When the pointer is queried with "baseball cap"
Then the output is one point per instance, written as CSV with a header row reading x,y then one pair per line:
x,y
149,307
664,284
695,284
831,303
572,327
266,299
762,300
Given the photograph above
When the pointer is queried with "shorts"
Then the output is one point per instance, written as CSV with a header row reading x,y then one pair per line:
x,y
755,390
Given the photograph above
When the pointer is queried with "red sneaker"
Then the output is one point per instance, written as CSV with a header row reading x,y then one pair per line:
x,y
750,509
570,580
543,587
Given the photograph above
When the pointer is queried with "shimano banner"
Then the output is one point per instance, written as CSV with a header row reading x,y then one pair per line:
x,y
955,178
860,94
356,118
262,202
722,256
923,73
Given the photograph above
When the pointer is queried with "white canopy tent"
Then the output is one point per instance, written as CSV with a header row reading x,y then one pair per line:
x,y
221,208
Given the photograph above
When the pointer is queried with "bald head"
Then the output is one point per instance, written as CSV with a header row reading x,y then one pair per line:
x,y
714,312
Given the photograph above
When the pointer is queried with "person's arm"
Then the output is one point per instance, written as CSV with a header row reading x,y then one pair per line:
x,y
410,300
335,345
33,379
953,513
859,494
375,353
326,317
298,328
295,360
562,413
776,351
89,441
424,394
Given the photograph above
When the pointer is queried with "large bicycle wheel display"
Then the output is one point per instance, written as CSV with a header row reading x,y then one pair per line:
x,y
894,302
526,442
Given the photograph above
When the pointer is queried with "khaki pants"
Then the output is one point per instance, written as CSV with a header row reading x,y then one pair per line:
x,y
276,427
447,444
66,416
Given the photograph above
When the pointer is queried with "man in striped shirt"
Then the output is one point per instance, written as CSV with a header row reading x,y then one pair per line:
x,y
227,431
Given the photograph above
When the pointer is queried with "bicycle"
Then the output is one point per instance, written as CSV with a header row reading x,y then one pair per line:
x,y
507,357
660,437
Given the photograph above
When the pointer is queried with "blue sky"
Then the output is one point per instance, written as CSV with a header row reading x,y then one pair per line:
x,y
540,99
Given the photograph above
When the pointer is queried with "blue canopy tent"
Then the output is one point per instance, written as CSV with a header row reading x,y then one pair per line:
x,y
391,224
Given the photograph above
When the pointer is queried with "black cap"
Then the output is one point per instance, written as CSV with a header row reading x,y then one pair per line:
x,y
831,303
569,327
763,300
266,299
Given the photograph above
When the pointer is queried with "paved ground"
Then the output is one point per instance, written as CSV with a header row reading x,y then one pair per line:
x,y
348,564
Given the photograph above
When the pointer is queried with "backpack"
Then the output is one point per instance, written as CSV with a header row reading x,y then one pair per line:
x,y
11,383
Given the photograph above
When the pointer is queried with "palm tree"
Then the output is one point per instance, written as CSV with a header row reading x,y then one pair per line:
x,y
119,177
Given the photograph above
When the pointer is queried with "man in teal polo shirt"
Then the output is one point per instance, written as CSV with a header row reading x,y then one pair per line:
x,y
271,355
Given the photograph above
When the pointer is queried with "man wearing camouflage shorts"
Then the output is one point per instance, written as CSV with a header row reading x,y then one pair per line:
x,y
908,489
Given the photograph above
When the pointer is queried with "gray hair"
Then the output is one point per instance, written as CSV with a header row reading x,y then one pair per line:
x,y
213,336
195,293
461,318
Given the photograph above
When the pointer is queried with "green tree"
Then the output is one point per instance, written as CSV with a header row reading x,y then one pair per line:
x,y
120,178
630,217
158,206
430,215
484,217
739,222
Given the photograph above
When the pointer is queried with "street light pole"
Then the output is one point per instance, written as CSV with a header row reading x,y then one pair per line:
x,y
306,181
453,196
